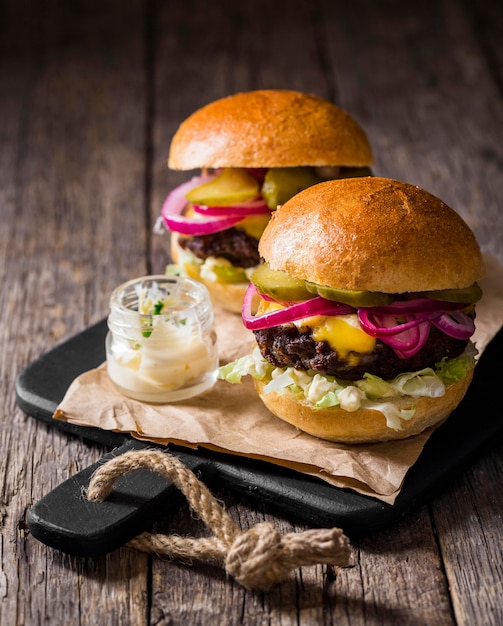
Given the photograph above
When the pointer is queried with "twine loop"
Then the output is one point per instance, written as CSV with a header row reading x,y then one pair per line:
x,y
256,558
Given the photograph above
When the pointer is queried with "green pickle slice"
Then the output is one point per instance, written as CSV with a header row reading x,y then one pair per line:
x,y
230,274
232,185
283,287
353,298
279,285
282,183
470,294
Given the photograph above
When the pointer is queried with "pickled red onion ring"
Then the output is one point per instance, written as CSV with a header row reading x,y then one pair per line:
x,y
419,305
381,326
243,209
210,219
405,338
176,201
456,324
407,343
194,227
314,306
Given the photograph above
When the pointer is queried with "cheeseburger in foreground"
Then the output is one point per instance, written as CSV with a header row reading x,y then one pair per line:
x,y
367,307
256,150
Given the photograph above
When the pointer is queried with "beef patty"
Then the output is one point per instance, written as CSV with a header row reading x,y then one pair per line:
x,y
232,244
287,346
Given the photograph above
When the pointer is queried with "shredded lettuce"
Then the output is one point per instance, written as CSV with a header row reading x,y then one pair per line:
x,y
453,370
391,412
418,384
248,365
174,270
371,392
331,398
375,387
212,268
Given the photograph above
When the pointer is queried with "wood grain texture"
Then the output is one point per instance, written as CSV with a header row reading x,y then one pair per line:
x,y
72,171
90,95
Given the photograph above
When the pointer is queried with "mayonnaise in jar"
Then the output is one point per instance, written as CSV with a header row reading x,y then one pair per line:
x,y
161,344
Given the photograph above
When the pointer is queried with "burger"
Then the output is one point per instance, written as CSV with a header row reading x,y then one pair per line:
x,y
367,306
254,150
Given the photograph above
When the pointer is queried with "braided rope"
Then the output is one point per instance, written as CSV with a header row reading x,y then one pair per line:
x,y
257,558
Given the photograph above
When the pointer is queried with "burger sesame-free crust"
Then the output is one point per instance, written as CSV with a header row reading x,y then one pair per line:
x,y
372,234
269,128
363,425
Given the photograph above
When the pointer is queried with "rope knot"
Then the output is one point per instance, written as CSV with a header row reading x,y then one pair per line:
x,y
254,558
257,558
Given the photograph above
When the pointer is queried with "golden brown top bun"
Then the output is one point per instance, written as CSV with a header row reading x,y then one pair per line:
x,y
269,128
372,234
363,425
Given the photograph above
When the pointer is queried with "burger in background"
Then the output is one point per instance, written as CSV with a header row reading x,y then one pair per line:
x,y
367,306
256,150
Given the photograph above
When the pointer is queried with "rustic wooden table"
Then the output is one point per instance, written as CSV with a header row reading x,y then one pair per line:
x,y
90,96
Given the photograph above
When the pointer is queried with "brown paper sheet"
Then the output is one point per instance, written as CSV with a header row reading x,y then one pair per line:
x,y
231,418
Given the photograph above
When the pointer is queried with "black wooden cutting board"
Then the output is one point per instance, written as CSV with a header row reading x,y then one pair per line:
x,y
65,520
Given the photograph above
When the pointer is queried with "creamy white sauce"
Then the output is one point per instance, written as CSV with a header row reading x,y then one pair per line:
x,y
165,357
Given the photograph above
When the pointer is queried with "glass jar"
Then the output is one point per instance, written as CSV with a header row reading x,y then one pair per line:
x,y
161,344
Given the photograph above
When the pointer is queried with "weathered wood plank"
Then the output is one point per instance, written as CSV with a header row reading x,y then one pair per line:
x,y
469,525
487,21
72,114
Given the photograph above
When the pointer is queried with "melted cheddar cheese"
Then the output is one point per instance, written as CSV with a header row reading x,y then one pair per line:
x,y
343,333
254,225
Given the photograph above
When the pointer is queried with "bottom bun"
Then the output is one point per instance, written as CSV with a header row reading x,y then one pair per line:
x,y
363,425
229,296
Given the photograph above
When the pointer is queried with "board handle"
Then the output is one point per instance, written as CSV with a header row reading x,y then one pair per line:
x,y
66,520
